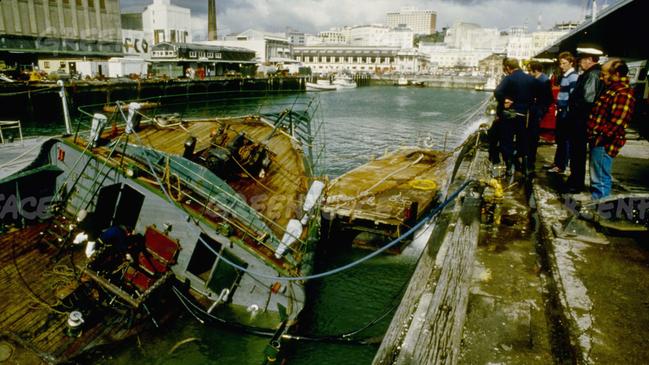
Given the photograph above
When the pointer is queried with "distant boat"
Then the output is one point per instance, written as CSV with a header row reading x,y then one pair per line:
x,y
320,85
402,81
490,85
344,82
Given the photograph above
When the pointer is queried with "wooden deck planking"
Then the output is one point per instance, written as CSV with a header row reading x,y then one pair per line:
x,y
280,197
40,284
15,287
40,327
284,186
380,190
22,319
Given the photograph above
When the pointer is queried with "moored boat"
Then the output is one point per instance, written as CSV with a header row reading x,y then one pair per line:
x,y
218,214
343,81
489,85
320,85
402,81
383,198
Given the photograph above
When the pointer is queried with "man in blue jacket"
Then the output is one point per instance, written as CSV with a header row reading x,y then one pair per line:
x,y
568,82
516,92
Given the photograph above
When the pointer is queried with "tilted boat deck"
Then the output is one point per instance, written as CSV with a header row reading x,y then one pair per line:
x,y
278,195
386,195
32,316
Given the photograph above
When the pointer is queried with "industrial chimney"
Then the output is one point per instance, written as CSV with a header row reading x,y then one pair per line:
x,y
211,20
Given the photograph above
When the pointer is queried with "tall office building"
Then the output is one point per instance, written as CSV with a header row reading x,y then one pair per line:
x,y
64,27
164,22
211,20
420,21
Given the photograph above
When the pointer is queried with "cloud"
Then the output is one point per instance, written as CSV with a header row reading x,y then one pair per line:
x,y
199,27
503,14
312,16
316,15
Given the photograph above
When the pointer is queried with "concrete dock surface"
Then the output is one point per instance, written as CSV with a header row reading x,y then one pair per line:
x,y
600,272
535,284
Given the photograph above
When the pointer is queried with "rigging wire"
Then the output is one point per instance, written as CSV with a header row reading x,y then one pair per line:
x,y
346,337
394,242
191,307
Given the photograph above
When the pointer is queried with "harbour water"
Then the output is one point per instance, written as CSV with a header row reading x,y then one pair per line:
x,y
360,124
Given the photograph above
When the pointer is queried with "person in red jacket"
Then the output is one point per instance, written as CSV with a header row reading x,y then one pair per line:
x,y
606,125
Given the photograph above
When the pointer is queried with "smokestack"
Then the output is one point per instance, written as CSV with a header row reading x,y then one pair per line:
x,y
211,20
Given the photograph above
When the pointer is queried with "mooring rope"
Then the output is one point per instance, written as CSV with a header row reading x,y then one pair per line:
x,y
394,242
352,264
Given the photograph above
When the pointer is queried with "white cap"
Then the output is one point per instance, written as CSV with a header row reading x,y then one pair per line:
x,y
589,51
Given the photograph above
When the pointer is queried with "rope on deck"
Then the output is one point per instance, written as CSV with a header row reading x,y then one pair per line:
x,y
394,242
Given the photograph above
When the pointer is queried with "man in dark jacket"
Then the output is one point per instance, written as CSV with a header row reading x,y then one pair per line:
x,y
542,102
581,101
516,92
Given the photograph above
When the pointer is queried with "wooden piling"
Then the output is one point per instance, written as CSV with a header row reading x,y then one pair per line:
x,y
427,326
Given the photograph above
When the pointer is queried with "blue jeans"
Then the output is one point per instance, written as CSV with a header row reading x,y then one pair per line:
x,y
600,172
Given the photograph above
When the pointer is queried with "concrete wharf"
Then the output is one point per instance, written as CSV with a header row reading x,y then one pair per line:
x,y
519,280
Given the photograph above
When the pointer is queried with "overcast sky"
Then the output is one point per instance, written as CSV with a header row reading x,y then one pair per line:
x,y
312,16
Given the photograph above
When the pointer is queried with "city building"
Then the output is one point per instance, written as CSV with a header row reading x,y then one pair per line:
x,y
312,40
333,36
379,36
134,39
269,47
565,26
441,56
543,39
163,22
420,21
470,36
411,61
355,59
492,65
35,29
524,46
295,38
332,58
201,60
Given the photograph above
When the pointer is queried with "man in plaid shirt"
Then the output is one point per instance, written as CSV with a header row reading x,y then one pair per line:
x,y
608,119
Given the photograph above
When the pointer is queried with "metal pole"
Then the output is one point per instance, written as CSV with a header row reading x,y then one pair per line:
x,y
66,112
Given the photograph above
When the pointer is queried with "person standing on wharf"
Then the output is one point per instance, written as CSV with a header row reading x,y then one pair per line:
x,y
516,92
606,125
567,85
580,104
